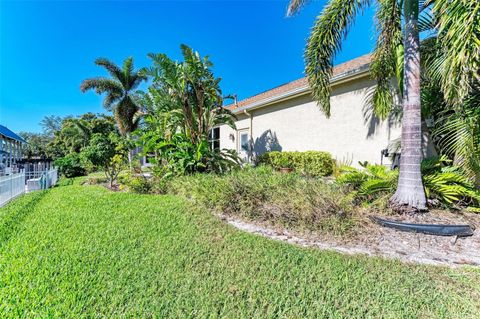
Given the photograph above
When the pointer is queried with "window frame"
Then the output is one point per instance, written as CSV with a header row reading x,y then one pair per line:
x,y
214,141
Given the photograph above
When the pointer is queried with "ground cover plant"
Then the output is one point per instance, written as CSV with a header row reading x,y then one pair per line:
x,y
84,251
446,185
262,194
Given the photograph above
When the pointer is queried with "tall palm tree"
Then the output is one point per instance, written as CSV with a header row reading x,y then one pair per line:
x,y
325,41
119,89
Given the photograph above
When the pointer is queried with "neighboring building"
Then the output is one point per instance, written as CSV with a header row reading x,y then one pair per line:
x,y
287,119
10,150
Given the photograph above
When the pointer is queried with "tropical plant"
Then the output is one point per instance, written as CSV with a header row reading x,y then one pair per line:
x,y
119,91
75,132
445,184
163,116
457,135
179,156
325,41
452,101
73,135
457,38
190,87
182,106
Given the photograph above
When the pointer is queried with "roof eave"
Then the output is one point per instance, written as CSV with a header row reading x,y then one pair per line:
x,y
351,75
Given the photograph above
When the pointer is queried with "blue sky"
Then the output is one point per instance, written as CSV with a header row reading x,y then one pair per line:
x,y
48,47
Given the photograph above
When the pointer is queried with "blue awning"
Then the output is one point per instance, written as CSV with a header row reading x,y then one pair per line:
x,y
7,133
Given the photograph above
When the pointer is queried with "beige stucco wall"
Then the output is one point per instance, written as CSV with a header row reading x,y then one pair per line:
x,y
297,124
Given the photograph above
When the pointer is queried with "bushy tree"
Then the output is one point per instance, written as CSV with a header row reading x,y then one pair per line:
x,y
36,146
106,153
71,165
75,133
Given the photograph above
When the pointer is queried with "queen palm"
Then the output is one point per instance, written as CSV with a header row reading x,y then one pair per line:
x,y
392,58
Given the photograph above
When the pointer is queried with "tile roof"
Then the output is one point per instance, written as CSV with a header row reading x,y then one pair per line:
x,y
337,70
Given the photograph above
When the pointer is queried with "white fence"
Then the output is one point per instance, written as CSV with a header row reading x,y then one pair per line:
x,y
42,180
11,186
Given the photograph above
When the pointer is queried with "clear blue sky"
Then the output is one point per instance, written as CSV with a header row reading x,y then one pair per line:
x,y
48,47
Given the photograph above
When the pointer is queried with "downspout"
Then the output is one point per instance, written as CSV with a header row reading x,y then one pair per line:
x,y
250,131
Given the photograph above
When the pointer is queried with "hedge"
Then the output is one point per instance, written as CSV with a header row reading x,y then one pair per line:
x,y
310,163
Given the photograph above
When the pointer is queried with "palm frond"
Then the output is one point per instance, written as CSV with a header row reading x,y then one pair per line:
x,y
102,85
294,6
119,98
111,68
458,136
459,37
324,42
384,61
128,73
110,100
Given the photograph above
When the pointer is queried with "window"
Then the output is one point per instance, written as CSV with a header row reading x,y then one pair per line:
x,y
214,138
244,142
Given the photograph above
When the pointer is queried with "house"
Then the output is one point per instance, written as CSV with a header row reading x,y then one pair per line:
x,y
10,150
286,118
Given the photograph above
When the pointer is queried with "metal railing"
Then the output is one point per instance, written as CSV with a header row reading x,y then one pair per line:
x,y
42,180
36,170
11,186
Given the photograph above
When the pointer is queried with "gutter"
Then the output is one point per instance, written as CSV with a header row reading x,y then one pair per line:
x,y
250,133
336,80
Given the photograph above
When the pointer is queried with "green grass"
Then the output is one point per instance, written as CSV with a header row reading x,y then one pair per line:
x,y
82,251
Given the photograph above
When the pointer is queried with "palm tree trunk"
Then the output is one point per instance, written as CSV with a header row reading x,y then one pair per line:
x,y
410,194
130,152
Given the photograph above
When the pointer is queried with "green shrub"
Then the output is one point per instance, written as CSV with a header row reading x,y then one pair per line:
x,y
178,155
310,163
263,194
136,183
70,165
445,185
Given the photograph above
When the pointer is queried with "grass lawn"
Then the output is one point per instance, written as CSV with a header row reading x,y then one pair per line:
x,y
82,251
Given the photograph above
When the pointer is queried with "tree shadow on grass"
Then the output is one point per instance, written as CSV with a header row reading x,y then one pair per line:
x,y
11,222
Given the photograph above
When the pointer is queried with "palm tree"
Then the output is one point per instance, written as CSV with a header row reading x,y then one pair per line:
x,y
120,92
451,80
120,96
325,41
454,64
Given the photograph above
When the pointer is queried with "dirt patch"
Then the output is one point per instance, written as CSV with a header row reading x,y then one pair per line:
x,y
374,240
